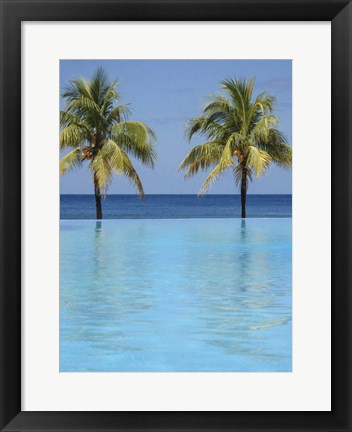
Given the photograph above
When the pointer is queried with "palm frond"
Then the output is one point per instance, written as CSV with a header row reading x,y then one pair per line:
x,y
276,146
70,160
101,168
258,160
118,114
111,96
83,103
220,110
201,157
225,162
136,138
213,176
261,129
118,161
100,87
71,136
240,92
75,89
263,104
206,126
67,118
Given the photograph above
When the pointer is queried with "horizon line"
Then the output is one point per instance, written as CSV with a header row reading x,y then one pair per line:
x,y
200,196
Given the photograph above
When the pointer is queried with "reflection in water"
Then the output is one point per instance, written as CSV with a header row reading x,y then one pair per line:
x,y
233,282
243,230
175,295
99,252
101,294
244,259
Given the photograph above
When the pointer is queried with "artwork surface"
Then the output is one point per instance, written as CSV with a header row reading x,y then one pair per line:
x,y
176,216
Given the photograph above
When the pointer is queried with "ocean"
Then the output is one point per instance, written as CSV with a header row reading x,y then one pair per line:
x,y
176,206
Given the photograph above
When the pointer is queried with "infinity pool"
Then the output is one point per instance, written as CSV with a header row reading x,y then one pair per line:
x,y
172,295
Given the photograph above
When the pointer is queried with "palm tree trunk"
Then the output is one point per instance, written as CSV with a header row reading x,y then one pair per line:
x,y
243,192
97,198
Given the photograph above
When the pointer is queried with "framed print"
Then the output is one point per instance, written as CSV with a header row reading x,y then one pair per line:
x,y
175,230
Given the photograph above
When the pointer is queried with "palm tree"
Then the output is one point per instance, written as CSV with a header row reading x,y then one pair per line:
x,y
95,129
242,135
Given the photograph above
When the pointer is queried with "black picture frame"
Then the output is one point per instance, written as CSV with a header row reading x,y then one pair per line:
x,y
13,12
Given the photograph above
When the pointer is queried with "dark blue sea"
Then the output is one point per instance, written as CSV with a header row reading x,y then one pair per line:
x,y
176,206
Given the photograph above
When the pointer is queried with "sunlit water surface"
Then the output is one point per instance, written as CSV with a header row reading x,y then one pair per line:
x,y
175,295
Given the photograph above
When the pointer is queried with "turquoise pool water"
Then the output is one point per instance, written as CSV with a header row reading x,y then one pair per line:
x,y
175,295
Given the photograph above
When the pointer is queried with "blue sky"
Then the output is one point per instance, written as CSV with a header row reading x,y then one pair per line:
x,y
165,94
